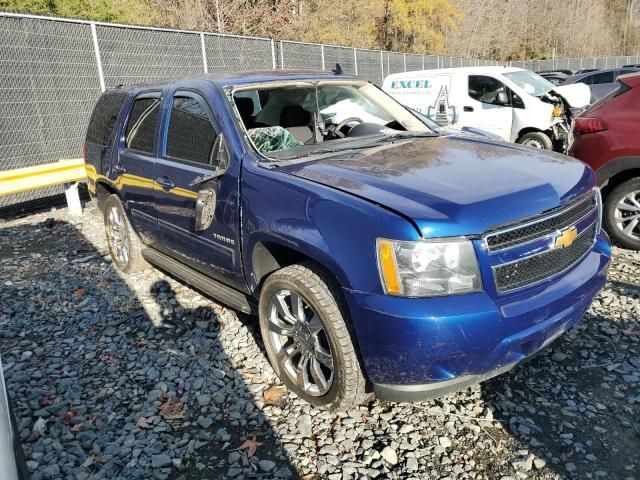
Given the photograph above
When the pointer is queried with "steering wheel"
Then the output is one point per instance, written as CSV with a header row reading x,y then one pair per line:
x,y
335,129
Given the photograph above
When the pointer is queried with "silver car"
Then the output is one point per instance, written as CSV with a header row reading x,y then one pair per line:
x,y
12,465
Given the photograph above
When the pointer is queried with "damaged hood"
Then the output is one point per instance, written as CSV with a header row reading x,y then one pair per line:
x,y
577,95
452,186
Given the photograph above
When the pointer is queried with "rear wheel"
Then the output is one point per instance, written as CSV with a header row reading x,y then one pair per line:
x,y
304,330
124,244
622,214
538,140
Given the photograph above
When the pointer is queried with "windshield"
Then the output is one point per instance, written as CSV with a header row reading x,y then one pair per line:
x,y
299,119
530,82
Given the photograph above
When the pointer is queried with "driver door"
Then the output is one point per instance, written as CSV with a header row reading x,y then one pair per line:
x,y
488,106
196,197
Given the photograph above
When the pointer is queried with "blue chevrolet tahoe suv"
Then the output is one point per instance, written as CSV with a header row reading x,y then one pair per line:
x,y
380,255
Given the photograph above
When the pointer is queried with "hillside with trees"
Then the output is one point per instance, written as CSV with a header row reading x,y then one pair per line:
x,y
497,29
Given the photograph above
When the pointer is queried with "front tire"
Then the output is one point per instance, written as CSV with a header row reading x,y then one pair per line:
x,y
622,214
303,326
538,140
124,244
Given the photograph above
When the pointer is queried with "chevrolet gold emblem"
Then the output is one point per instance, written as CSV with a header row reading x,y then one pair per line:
x,y
566,238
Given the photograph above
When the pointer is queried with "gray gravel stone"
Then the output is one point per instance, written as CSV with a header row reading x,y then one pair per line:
x,y
266,465
98,356
389,455
444,442
161,460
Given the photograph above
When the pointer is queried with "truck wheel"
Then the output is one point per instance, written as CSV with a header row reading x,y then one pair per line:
x,y
537,140
622,214
303,326
124,244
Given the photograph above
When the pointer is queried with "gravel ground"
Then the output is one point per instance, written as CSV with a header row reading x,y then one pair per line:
x,y
140,377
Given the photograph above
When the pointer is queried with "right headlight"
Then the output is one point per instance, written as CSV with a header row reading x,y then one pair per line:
x,y
599,207
428,268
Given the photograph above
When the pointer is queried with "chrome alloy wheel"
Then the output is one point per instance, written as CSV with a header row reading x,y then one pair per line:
x,y
300,342
628,215
118,236
534,143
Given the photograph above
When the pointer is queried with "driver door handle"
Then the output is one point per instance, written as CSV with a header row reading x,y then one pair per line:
x,y
119,169
468,108
165,183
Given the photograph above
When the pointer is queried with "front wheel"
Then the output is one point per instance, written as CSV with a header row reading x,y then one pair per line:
x,y
538,140
622,214
304,330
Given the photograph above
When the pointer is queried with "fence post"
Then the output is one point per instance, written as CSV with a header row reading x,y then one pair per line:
x,y
381,67
96,49
204,53
606,62
322,54
281,56
273,54
404,60
423,61
355,61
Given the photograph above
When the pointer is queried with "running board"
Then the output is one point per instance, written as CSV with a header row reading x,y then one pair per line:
x,y
221,292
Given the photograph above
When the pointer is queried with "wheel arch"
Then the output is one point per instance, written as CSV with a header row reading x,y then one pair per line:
x,y
526,130
103,189
269,254
617,171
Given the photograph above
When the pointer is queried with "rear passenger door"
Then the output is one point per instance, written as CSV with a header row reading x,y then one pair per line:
x,y
133,169
196,202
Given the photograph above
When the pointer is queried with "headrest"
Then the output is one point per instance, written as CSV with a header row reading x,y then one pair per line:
x,y
294,116
245,106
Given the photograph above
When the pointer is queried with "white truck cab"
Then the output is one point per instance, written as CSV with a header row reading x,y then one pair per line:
x,y
515,104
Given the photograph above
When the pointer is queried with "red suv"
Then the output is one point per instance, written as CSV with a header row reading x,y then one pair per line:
x,y
607,137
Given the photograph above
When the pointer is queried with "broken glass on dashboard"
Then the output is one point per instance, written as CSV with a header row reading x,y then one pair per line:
x,y
272,139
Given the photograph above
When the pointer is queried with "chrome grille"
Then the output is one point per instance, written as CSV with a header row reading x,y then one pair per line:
x,y
551,222
536,268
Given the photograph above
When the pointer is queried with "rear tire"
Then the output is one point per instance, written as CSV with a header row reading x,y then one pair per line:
x,y
124,244
538,140
622,214
304,329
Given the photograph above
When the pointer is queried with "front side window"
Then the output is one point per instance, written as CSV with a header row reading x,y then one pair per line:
x,y
488,90
191,135
141,126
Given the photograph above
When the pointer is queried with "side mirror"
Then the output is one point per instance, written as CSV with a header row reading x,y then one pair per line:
x,y
502,98
205,209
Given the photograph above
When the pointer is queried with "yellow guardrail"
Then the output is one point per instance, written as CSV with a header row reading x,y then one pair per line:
x,y
39,176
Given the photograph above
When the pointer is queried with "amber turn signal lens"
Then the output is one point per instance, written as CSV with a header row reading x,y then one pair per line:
x,y
388,267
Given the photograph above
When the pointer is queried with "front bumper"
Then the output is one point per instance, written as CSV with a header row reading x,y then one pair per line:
x,y
415,349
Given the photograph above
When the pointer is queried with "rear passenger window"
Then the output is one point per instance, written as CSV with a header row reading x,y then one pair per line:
x,y
598,78
191,135
104,116
141,127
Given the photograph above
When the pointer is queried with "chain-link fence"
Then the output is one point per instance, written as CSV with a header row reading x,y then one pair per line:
x,y
576,63
52,71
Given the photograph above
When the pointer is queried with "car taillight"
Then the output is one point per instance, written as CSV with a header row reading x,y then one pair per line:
x,y
584,125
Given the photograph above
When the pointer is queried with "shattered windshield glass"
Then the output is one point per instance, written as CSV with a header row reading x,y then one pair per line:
x,y
530,82
293,118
